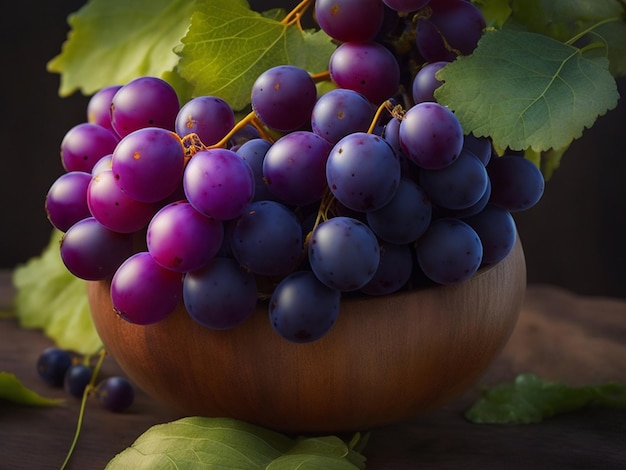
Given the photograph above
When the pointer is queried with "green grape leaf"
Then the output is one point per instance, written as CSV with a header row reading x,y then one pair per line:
x,y
496,12
199,442
526,90
228,46
11,389
50,298
565,19
114,41
530,399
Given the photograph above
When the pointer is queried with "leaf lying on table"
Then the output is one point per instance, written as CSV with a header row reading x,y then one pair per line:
x,y
198,442
11,389
530,399
50,298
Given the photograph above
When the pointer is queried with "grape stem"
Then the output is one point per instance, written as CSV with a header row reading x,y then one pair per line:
x,y
394,110
294,15
88,389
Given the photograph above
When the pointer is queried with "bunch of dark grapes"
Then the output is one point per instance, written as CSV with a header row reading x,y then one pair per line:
x,y
62,368
358,195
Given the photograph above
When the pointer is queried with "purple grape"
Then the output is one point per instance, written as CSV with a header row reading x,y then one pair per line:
x,y
350,20
144,102
517,184
267,239
104,164
243,135
425,82
431,135
447,29
363,172
457,186
294,168
405,6
344,253
76,379
99,107
394,270
341,112
221,295
368,68
181,239
113,208
283,97
143,292
84,144
210,117
253,153
302,309
405,218
115,393
497,231
479,146
148,164
218,183
53,364
450,251
93,252
66,201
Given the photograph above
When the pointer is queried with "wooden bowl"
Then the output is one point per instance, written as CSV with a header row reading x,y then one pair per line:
x,y
386,359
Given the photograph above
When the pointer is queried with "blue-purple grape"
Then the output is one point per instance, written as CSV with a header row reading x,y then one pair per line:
x,y
283,97
343,253
210,117
53,364
394,270
517,184
349,20
302,309
76,379
253,152
341,112
363,172
425,82
449,252
479,146
221,295
115,393
497,231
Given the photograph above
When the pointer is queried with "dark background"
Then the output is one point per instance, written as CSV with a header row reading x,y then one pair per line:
x,y
574,238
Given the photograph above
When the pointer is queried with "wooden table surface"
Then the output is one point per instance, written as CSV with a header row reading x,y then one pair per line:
x,y
559,336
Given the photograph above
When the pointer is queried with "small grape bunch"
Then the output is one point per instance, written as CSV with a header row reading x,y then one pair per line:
x,y
62,368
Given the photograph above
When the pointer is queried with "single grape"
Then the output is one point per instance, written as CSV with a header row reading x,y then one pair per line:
x,y
66,200
84,144
343,253
218,183
394,270
52,365
405,217
341,112
283,97
447,29
294,168
431,135
302,309
99,107
104,164
246,133
479,146
114,208
76,379
144,102
143,292
349,20
115,393
221,295
405,6
363,172
425,82
253,153
517,184
181,239
92,252
210,117
497,231
368,68
267,239
457,186
474,209
450,251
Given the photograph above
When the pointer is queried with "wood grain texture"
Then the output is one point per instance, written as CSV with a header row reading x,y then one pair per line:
x,y
386,358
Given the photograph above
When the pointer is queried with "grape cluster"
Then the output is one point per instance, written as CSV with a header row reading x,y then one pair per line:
x,y
61,368
307,199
